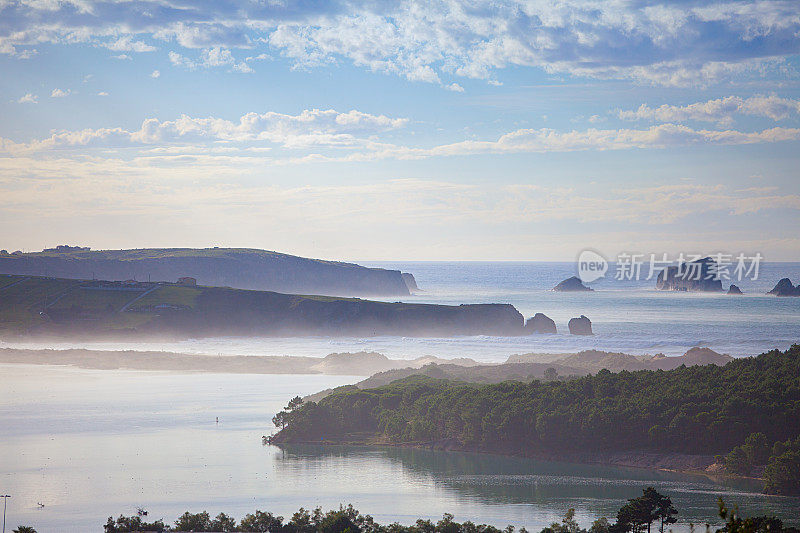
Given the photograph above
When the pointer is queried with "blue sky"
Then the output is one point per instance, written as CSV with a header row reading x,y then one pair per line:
x,y
402,130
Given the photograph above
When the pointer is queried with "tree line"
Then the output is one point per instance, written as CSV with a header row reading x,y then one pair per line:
x,y
746,412
649,513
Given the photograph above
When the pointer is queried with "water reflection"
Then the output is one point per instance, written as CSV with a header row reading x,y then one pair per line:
x,y
543,489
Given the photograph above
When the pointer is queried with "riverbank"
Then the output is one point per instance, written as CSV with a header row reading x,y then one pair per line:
x,y
646,459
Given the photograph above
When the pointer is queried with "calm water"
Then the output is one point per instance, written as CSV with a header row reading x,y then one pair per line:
x,y
627,316
90,444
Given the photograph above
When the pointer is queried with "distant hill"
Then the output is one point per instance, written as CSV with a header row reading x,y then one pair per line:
x,y
528,367
241,268
56,306
595,360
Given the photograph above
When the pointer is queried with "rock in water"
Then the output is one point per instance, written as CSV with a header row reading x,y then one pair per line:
x,y
540,323
572,284
580,326
694,276
734,290
785,288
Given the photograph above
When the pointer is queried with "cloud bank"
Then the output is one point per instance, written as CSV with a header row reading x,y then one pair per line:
x,y
658,42
721,110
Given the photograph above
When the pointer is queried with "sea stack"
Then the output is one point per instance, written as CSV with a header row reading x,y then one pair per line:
x,y
733,289
785,288
540,323
580,326
694,276
572,284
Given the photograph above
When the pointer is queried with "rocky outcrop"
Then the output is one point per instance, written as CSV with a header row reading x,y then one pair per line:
x,y
411,283
580,326
540,323
241,268
693,276
785,288
734,290
572,284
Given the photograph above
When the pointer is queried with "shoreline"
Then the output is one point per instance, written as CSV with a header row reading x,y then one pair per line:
x,y
701,465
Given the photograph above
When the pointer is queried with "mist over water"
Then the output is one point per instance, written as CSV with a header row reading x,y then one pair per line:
x,y
627,316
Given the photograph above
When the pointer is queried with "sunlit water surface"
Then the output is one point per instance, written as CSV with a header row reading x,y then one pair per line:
x,y
90,444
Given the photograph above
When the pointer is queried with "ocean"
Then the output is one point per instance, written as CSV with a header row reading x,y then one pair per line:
x,y
627,316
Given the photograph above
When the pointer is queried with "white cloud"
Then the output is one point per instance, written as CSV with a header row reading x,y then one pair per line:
x,y
455,88
127,44
311,128
59,93
721,110
211,58
102,93
155,74
659,41
317,136
28,99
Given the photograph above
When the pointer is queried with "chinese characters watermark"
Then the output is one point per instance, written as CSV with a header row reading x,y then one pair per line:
x,y
691,267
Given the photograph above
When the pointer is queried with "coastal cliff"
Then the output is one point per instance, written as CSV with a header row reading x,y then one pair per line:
x,y
52,306
241,268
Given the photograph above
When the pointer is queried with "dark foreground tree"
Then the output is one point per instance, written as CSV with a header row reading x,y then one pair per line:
x,y
639,513
128,524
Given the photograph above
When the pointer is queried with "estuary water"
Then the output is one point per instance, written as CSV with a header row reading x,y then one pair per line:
x,y
93,443
89,444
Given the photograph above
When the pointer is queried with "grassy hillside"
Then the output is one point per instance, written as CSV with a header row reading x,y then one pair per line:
x,y
32,305
234,267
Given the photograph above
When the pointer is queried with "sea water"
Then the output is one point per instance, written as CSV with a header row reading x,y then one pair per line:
x,y
628,316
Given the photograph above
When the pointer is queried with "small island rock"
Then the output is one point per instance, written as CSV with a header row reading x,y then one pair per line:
x,y
785,288
572,284
580,326
694,276
540,323
734,290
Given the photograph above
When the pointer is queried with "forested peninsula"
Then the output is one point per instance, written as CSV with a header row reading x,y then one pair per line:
x,y
746,412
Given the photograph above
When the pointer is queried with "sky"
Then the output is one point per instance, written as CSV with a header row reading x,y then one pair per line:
x,y
403,130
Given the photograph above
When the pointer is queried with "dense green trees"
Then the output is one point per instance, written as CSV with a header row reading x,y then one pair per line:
x,y
782,474
750,403
636,516
282,417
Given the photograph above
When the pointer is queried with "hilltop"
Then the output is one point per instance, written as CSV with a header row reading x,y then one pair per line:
x,y
242,268
38,306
